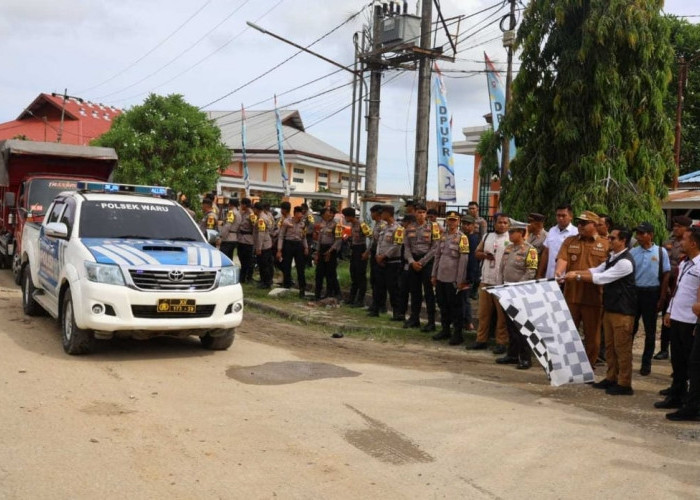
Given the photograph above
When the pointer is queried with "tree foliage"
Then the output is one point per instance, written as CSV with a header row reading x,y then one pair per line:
x,y
488,145
685,39
587,110
167,142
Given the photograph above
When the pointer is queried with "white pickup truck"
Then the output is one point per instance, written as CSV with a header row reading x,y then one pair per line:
x,y
120,260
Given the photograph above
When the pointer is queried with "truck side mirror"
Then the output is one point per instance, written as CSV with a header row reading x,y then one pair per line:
x,y
56,230
9,199
212,235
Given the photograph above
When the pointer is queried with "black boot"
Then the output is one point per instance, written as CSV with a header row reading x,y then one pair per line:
x,y
442,335
456,338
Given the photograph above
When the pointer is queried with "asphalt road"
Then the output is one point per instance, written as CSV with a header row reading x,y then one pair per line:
x,y
288,412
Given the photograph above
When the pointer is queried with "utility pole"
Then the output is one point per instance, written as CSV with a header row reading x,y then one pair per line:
x,y
359,120
65,96
420,174
508,41
351,179
682,75
375,87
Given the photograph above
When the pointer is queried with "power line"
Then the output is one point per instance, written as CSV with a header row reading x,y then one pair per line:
x,y
150,51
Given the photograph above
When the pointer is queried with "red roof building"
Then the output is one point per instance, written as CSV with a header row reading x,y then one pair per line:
x,y
83,121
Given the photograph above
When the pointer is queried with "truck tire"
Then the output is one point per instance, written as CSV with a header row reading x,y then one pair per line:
x,y
75,340
220,343
30,306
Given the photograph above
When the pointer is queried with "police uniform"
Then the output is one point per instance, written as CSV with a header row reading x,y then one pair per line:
x,y
420,245
293,246
262,236
231,219
519,263
376,307
388,270
537,241
330,237
245,243
450,272
208,222
309,223
359,231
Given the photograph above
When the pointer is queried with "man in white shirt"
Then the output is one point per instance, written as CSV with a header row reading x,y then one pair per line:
x,y
681,319
555,237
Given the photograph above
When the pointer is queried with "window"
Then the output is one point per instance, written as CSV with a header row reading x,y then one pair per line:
x,y
323,175
55,212
322,184
297,180
345,178
68,216
298,170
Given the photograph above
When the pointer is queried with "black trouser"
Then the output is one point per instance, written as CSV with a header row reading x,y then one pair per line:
x,y
404,289
227,248
376,306
419,283
450,303
266,266
681,345
665,330
693,400
358,275
293,250
517,343
387,281
245,255
647,300
327,270
309,258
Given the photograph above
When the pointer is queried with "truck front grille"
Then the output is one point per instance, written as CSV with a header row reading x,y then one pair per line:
x,y
146,279
203,311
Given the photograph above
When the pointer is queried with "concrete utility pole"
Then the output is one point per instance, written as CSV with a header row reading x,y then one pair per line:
x,y
420,174
65,96
375,88
508,41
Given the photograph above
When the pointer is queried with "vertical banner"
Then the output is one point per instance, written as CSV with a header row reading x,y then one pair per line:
x,y
280,147
246,176
540,313
497,97
447,190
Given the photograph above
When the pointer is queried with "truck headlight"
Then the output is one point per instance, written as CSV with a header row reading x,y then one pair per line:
x,y
104,273
229,275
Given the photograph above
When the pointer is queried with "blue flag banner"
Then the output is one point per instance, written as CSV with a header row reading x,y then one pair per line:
x,y
280,147
497,97
246,175
447,190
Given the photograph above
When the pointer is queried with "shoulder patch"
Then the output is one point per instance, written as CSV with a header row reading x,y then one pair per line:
x,y
261,225
211,220
398,236
253,218
463,244
365,229
338,231
435,230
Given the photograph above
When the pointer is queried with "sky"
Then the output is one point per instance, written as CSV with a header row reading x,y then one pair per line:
x,y
117,52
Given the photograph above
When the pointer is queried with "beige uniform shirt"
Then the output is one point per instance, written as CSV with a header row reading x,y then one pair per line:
x,y
290,230
519,263
421,241
451,258
231,221
245,228
262,234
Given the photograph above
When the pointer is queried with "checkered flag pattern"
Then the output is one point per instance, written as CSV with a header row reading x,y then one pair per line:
x,y
540,313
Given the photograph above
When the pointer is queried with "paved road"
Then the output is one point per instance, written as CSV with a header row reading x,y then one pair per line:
x,y
166,419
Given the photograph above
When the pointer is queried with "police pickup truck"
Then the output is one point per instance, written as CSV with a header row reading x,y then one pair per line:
x,y
120,260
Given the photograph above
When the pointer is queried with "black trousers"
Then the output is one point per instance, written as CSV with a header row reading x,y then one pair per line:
x,y
404,289
387,279
693,400
358,275
246,256
266,266
681,346
376,306
450,303
227,248
647,298
327,271
419,283
517,343
293,250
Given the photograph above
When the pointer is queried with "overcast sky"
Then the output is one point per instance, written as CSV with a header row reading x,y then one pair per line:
x,y
117,52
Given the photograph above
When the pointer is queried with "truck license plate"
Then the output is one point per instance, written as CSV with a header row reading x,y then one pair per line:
x,y
172,306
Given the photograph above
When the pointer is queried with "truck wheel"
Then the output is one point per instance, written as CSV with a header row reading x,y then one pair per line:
x,y
75,340
17,271
29,305
220,343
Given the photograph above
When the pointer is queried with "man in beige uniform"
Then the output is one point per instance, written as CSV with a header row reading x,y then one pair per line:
x,y
330,237
231,219
535,231
292,245
262,238
246,252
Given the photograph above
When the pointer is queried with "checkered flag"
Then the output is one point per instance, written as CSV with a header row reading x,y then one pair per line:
x,y
539,312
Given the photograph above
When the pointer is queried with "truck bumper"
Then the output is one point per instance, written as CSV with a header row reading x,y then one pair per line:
x,y
112,308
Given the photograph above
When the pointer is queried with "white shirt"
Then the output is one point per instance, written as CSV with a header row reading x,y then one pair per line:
x,y
491,269
622,268
681,306
555,237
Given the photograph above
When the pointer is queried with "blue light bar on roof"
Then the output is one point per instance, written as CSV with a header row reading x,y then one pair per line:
x,y
105,187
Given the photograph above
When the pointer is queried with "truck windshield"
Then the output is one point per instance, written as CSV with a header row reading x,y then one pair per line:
x,y
136,220
43,191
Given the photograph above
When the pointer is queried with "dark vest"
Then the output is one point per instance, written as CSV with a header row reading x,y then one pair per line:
x,y
620,296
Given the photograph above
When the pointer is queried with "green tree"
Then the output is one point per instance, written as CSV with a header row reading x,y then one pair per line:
x,y
317,204
587,110
488,145
167,142
685,39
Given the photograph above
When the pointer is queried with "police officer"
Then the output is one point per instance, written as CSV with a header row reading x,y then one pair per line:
x,y
519,263
388,260
408,223
309,223
359,232
231,219
330,237
376,213
292,245
209,219
535,231
245,240
449,278
263,245
419,250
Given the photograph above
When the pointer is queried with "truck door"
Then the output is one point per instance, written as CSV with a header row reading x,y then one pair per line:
x,y
51,252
